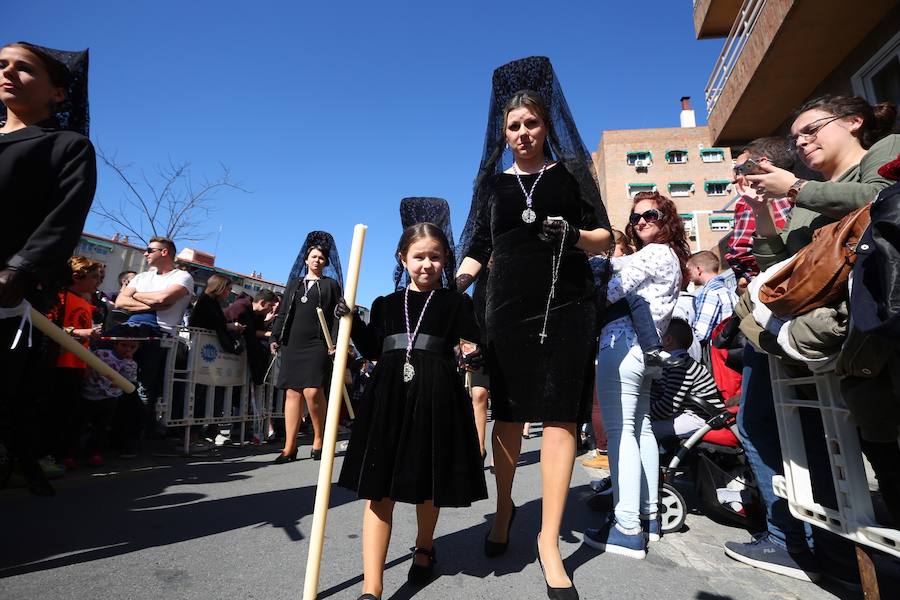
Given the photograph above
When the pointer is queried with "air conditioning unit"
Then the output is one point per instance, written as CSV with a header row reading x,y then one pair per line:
x,y
642,162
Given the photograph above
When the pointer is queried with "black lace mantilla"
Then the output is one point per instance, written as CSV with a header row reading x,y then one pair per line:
x,y
427,210
565,143
326,241
73,113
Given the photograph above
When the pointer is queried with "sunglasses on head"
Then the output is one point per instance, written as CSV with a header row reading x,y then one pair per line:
x,y
649,216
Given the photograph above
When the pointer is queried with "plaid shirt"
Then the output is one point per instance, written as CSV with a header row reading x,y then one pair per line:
x,y
714,303
740,253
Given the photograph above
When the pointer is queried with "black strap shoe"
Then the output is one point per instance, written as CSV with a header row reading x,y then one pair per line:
x,y
419,574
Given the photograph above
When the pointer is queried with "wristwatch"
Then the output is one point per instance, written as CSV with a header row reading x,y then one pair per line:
x,y
795,188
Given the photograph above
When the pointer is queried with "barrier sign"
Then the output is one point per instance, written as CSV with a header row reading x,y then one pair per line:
x,y
214,366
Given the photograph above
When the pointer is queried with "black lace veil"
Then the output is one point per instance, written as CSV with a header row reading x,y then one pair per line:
x,y
326,241
427,210
564,144
72,113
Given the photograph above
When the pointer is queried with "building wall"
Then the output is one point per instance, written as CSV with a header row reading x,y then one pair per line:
x,y
615,175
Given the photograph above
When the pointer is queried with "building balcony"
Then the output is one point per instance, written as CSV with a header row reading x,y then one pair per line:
x,y
714,18
775,56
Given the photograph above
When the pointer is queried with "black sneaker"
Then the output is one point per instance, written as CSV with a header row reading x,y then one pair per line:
x,y
763,554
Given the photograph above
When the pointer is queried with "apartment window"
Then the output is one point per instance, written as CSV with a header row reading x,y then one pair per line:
x,y
712,155
634,188
879,79
640,158
680,189
721,222
717,187
676,157
690,226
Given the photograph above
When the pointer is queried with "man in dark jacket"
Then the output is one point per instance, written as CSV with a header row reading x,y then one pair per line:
x,y
251,314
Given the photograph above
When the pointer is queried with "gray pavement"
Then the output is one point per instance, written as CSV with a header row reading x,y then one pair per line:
x,y
231,525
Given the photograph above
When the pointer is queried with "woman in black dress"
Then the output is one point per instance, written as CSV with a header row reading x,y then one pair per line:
x,y
48,173
297,334
538,218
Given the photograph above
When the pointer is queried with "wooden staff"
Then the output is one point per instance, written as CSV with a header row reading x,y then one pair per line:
x,y
68,343
330,343
323,489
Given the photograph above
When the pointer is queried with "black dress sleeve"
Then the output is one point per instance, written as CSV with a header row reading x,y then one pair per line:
x,y
368,338
336,293
52,242
482,241
466,326
287,303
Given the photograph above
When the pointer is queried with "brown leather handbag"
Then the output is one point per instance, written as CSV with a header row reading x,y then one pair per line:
x,y
818,274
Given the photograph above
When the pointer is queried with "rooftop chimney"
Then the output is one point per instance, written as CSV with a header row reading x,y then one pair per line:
x,y
687,113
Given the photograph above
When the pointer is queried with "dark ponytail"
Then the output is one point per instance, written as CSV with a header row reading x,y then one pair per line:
x,y
878,120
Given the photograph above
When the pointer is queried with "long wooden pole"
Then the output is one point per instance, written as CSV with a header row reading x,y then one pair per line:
x,y
48,328
323,489
330,343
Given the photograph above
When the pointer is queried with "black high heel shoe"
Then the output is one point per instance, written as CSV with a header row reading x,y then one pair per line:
x,y
567,593
494,549
285,458
368,597
315,454
419,574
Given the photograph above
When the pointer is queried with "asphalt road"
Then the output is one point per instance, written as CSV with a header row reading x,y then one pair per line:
x,y
231,525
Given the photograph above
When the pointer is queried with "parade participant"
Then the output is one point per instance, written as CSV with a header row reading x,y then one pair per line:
x,y
414,439
48,173
537,218
655,273
297,336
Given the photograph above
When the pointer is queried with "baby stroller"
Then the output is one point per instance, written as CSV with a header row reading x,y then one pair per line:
x,y
713,458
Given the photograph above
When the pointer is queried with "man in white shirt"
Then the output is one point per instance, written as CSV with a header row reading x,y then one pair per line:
x,y
161,289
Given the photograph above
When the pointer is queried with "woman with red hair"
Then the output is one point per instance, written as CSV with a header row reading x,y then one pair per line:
x,y
655,272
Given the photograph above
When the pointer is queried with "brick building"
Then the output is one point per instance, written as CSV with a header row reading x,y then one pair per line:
x,y
679,162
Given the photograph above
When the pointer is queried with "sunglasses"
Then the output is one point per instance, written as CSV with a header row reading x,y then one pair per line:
x,y
152,250
649,216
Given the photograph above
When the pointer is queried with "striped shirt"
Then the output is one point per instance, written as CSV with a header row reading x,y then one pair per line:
x,y
686,380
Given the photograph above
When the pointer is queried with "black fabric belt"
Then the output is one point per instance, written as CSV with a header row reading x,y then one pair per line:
x,y
398,341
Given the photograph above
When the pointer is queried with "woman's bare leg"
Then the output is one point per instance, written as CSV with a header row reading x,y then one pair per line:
x,y
480,406
426,519
377,521
557,459
507,443
292,412
315,403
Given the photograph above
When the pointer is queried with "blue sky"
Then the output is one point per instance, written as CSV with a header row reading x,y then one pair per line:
x,y
329,114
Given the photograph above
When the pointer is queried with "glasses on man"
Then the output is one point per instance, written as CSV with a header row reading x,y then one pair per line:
x,y
649,216
150,250
809,132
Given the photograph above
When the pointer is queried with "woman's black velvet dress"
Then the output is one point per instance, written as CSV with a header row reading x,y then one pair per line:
x,y
531,381
304,360
415,441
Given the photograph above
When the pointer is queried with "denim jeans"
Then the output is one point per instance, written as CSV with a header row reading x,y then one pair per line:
x,y
642,321
624,398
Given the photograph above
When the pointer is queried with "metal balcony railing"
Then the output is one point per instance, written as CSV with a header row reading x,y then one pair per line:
x,y
734,45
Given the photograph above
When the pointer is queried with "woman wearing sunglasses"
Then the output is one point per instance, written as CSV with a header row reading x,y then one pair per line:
x,y
655,272
845,140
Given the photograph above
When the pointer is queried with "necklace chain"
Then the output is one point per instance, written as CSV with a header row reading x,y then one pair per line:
x,y
555,262
528,214
408,371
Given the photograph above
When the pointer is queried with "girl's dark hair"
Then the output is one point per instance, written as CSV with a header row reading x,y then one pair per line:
x,y
878,120
320,249
59,73
671,229
421,231
532,101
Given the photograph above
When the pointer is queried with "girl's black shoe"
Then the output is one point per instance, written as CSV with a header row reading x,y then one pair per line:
x,y
368,597
568,593
494,549
286,458
315,454
419,574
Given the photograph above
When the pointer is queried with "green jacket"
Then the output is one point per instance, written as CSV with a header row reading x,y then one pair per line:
x,y
822,202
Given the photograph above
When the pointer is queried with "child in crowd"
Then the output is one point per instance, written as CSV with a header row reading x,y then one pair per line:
x,y
74,314
678,399
100,396
414,439
633,305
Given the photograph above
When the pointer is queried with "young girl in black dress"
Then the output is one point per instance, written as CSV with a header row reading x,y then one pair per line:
x,y
414,439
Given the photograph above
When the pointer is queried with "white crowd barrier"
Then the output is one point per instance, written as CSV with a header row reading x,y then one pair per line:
x,y
854,515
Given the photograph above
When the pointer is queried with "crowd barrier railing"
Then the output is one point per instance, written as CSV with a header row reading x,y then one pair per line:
x,y
854,516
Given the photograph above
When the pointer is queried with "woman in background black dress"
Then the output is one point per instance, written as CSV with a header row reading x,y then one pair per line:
x,y
537,219
297,334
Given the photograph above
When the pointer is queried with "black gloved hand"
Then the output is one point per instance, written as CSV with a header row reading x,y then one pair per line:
x,y
341,308
463,281
14,285
557,229
473,361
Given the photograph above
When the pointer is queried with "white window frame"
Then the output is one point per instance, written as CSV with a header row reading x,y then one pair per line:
x,y
680,153
709,155
862,79
683,193
709,191
639,188
631,157
690,226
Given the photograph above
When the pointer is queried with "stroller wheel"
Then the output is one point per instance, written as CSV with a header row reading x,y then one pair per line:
x,y
672,509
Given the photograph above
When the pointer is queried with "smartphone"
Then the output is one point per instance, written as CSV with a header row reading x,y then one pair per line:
x,y
748,167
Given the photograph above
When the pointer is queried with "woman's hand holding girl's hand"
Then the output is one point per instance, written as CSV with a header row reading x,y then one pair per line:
x,y
774,183
273,347
472,361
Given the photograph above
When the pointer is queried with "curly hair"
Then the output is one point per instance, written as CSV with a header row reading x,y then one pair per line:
x,y
671,230
80,266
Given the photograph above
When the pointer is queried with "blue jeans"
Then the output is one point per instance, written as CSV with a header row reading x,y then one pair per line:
x,y
624,398
642,321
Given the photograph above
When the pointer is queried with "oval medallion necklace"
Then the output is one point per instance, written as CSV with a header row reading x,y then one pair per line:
x,y
528,215
408,371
